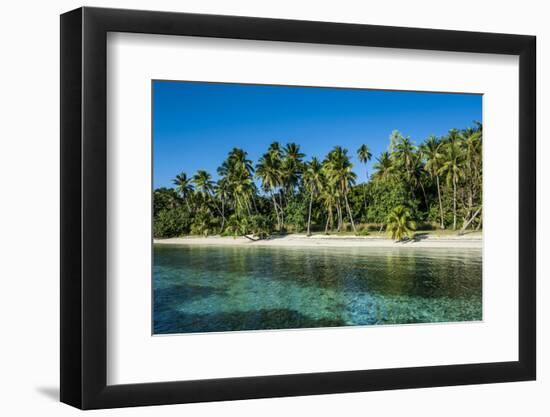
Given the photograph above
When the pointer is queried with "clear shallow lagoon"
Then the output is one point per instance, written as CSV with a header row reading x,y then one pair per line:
x,y
227,288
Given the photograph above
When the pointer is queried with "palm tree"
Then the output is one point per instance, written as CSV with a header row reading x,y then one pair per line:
x,y
364,154
453,170
204,183
238,160
275,150
184,187
237,226
404,157
237,169
243,192
416,177
329,200
338,170
313,178
222,192
431,149
399,223
404,153
472,157
205,188
384,166
268,170
292,166
395,137
453,136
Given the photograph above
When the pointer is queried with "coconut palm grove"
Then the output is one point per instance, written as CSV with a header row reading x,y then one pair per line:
x,y
281,207
435,184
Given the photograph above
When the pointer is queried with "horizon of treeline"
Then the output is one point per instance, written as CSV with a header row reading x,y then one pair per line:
x,y
435,184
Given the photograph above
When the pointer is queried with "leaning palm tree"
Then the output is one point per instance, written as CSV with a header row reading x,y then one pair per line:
x,y
184,187
312,181
399,223
431,150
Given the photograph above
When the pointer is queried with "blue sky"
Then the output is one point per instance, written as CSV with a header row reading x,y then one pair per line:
x,y
196,124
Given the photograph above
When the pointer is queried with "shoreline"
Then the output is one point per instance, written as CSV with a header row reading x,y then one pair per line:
x,y
473,241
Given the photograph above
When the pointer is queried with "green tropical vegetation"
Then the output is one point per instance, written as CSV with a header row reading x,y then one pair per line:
x,y
400,224
436,184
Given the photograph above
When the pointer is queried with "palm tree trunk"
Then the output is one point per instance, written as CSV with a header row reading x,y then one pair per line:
x,y
440,203
329,220
365,190
217,207
466,224
309,215
479,224
223,215
276,211
282,211
454,204
349,213
365,199
339,214
424,193
470,201
237,203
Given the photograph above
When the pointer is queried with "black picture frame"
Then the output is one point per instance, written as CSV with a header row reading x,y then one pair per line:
x,y
84,207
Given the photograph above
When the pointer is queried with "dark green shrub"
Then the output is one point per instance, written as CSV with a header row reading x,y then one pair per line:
x,y
261,226
296,215
204,223
170,223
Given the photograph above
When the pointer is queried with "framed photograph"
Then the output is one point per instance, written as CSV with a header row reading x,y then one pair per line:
x,y
257,208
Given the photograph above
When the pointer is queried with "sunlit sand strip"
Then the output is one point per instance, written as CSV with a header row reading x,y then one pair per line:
x,y
466,241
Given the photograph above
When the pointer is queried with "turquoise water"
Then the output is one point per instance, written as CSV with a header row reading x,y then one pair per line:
x,y
220,288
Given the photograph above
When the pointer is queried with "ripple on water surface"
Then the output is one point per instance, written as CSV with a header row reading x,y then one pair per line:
x,y
220,288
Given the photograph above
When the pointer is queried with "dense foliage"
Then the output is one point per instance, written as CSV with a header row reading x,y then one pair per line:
x,y
435,184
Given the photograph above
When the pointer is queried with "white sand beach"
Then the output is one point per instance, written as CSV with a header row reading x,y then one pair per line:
x,y
473,240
